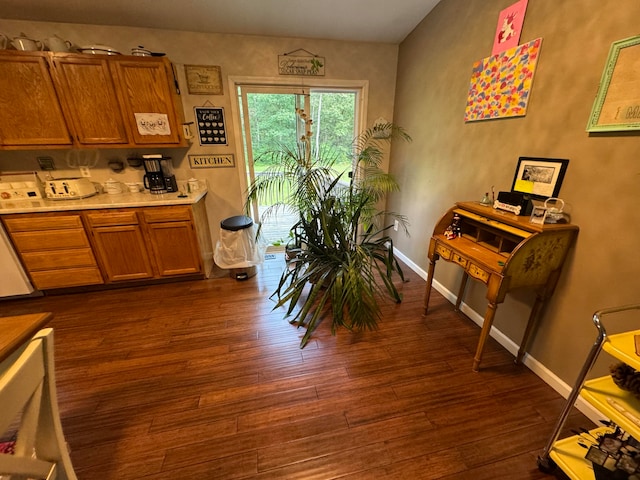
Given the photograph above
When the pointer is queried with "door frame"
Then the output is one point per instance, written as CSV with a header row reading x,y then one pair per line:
x,y
361,87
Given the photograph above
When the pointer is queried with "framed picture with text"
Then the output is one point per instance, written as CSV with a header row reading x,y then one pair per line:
x,y
211,125
204,79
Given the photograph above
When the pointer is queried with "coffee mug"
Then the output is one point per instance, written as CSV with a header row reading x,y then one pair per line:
x,y
193,185
133,187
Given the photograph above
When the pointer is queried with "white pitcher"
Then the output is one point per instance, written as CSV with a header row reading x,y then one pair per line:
x,y
57,44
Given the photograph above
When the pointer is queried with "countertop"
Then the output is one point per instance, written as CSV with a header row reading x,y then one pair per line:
x,y
99,201
14,331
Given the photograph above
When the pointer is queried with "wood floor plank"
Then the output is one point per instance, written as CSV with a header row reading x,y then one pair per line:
x,y
204,380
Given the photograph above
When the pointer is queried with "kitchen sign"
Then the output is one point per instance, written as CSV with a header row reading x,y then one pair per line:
x,y
204,79
210,125
305,65
212,161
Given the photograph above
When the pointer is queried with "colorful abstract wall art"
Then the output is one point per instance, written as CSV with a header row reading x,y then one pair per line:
x,y
500,84
509,27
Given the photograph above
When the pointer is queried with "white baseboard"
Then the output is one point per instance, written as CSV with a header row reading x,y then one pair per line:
x,y
531,363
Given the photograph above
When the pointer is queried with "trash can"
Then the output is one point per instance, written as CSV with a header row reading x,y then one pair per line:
x,y
237,249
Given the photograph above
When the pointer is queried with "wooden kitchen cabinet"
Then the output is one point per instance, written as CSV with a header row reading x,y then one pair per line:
x,y
54,249
30,111
173,240
79,100
119,245
141,243
147,86
89,99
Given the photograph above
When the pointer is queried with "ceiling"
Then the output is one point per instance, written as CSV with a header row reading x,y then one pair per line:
x,y
386,21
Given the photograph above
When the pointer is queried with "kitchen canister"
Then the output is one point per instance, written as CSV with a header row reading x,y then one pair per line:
x,y
112,187
26,44
193,184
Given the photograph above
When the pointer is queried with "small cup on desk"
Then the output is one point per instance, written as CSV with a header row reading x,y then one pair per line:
x,y
133,187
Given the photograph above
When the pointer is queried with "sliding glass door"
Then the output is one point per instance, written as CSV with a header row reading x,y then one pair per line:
x,y
269,122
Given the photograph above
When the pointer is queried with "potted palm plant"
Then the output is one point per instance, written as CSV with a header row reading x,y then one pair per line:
x,y
342,261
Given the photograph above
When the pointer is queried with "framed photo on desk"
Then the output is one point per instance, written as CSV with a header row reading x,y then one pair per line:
x,y
540,178
538,215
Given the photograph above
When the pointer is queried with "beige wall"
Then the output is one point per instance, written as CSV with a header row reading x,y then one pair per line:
x,y
238,55
450,161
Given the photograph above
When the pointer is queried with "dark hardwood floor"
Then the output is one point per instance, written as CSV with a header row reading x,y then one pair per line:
x,y
202,380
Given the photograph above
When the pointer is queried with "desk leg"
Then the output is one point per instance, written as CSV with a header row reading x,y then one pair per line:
x,y
531,324
463,284
484,333
432,267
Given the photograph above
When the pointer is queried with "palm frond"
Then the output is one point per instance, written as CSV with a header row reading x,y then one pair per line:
x,y
347,262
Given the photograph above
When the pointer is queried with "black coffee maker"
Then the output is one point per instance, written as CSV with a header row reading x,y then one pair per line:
x,y
159,177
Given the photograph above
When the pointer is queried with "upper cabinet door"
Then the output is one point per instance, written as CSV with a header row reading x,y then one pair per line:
x,y
89,99
148,100
30,113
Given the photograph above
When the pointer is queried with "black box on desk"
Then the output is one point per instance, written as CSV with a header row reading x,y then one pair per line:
x,y
515,199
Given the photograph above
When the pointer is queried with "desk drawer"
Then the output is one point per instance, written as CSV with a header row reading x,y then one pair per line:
x,y
459,259
443,251
477,272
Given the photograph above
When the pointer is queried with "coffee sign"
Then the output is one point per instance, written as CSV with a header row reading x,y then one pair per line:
x,y
210,125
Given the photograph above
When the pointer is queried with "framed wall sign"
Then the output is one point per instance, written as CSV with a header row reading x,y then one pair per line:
x,y
305,63
204,79
212,161
211,126
540,178
617,103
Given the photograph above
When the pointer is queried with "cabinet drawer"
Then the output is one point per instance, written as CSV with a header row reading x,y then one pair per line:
x,y
50,240
459,259
78,257
477,272
166,214
66,277
104,219
53,222
443,251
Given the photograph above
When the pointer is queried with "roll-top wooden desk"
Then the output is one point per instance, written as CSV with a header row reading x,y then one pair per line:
x,y
505,252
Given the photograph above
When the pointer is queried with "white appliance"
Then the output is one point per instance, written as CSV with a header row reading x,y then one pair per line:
x,y
69,188
13,280
20,186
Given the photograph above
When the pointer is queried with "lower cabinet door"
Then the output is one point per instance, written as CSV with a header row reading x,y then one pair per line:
x,y
122,252
175,248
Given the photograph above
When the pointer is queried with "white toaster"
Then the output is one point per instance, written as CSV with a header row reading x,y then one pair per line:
x,y
69,188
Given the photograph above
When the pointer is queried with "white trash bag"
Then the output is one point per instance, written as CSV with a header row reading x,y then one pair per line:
x,y
239,249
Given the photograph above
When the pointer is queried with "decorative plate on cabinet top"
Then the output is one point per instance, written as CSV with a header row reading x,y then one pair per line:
x,y
98,50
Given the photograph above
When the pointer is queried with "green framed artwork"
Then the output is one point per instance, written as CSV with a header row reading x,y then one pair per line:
x,y
617,103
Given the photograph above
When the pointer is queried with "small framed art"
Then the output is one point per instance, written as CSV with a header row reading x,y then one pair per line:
x,y
539,178
538,215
